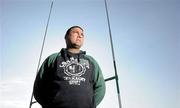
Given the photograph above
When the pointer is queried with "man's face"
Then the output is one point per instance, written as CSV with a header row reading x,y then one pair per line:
x,y
75,38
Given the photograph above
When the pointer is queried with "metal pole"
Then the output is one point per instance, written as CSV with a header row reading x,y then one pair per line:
x,y
114,62
31,101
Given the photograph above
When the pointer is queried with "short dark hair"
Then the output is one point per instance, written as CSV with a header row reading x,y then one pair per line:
x,y
69,30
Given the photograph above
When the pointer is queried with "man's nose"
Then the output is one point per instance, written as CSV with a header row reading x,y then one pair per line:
x,y
80,36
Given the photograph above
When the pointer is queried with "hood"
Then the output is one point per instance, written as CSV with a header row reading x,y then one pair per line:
x,y
67,55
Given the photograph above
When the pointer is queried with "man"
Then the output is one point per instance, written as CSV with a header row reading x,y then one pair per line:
x,y
70,78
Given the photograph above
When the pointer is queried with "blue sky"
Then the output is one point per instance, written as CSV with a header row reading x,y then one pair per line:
x,y
146,37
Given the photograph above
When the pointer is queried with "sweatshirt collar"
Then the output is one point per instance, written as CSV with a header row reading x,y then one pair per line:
x,y
67,55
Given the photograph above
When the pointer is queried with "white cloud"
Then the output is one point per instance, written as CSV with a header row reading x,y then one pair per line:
x,y
15,92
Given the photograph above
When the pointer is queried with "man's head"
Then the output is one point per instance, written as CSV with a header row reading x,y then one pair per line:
x,y
74,37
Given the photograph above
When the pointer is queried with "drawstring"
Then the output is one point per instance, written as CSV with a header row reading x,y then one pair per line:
x,y
78,58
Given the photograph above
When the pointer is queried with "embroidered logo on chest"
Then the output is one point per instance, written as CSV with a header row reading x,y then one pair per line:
x,y
74,70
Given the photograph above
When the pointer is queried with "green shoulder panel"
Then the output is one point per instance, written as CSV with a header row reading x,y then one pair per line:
x,y
99,85
49,61
52,58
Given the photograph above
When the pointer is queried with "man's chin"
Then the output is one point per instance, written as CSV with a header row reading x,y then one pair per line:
x,y
76,46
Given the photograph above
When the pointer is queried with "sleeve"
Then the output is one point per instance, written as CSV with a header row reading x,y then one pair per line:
x,y
45,73
39,83
99,85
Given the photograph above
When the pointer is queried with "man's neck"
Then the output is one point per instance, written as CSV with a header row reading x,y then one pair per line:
x,y
73,50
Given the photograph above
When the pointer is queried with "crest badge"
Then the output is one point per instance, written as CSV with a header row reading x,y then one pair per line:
x,y
74,70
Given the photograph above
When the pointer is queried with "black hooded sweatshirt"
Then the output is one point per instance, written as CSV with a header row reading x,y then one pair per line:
x,y
67,80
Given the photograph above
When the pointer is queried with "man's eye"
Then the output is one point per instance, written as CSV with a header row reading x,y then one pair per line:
x,y
75,33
